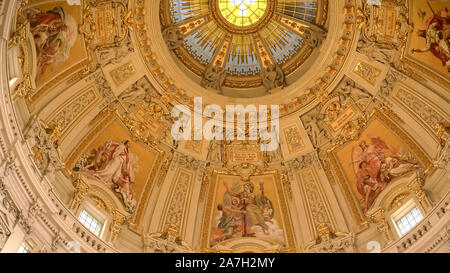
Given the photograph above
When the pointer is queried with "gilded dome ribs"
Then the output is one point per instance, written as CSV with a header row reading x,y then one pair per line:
x,y
256,34
188,26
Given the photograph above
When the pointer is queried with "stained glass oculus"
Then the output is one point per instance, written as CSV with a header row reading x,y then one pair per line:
x,y
242,36
242,13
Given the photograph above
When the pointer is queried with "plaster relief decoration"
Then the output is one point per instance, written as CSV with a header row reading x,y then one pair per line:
x,y
166,242
314,196
147,111
349,89
376,157
273,77
336,112
429,43
294,139
179,198
388,23
106,26
122,73
431,116
138,92
74,109
173,37
368,72
194,146
243,152
123,165
214,77
316,131
45,145
246,209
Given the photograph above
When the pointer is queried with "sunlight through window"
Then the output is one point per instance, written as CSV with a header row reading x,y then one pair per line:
x,y
242,13
23,249
90,222
409,221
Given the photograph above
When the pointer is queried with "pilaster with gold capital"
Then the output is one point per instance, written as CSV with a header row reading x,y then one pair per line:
x,y
379,219
416,186
118,220
81,189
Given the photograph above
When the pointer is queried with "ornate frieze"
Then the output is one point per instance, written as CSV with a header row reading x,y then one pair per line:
x,y
422,109
314,198
168,241
341,244
185,161
73,109
305,161
368,72
177,204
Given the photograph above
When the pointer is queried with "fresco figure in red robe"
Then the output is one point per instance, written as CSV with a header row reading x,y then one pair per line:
x,y
375,166
54,33
115,166
437,34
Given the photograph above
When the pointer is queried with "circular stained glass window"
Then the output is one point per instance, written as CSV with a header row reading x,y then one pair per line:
x,y
243,37
242,13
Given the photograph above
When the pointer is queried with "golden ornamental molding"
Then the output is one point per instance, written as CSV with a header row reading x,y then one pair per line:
x,y
81,189
398,200
379,219
432,117
73,109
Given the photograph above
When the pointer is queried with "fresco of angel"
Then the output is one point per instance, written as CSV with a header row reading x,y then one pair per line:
x,y
115,166
54,34
245,213
375,166
437,35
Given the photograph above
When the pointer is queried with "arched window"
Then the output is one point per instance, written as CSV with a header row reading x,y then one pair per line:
x,y
92,219
406,217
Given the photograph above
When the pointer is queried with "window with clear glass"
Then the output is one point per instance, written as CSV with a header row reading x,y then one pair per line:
x,y
23,249
94,225
408,221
